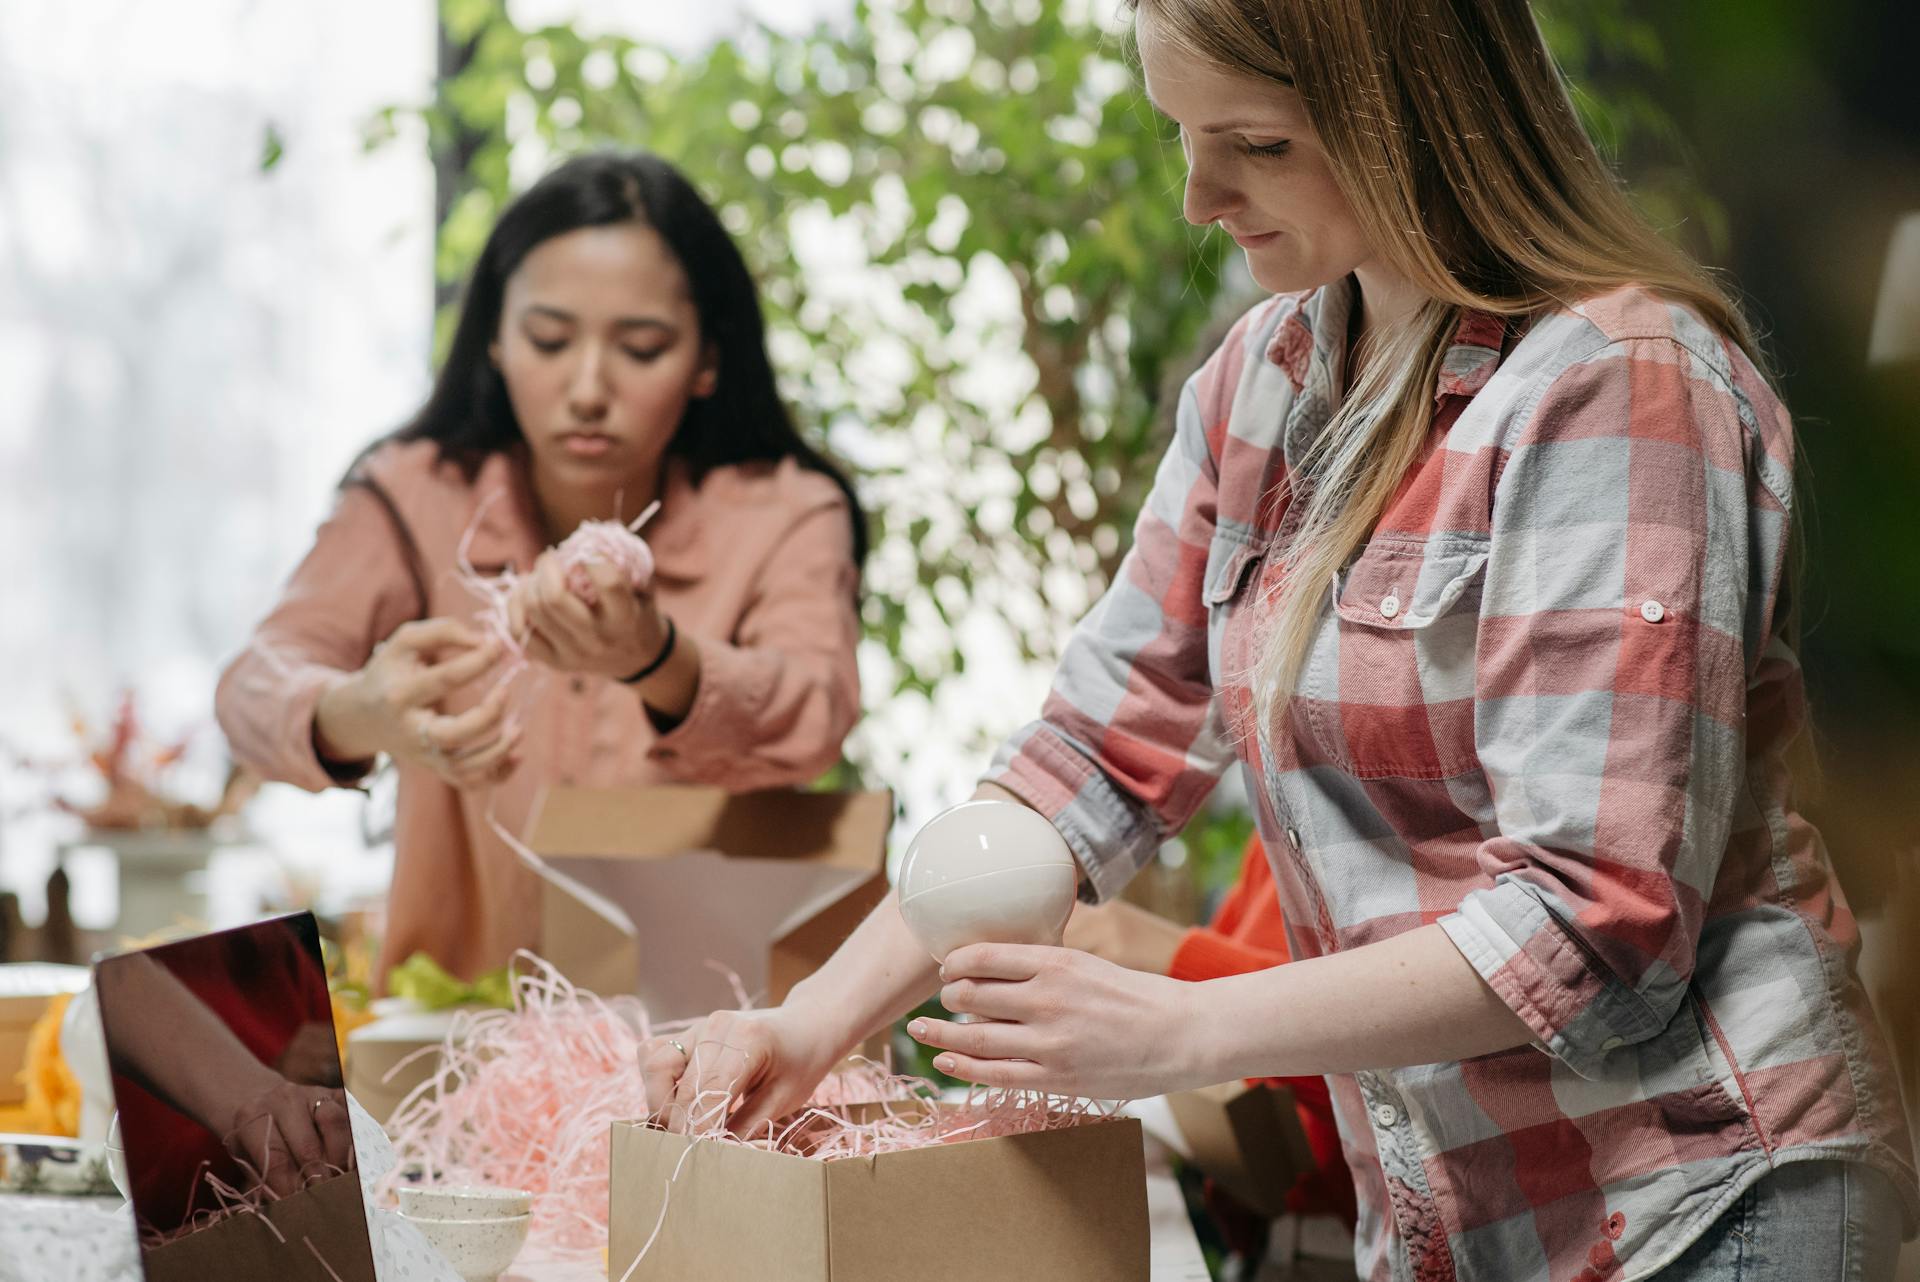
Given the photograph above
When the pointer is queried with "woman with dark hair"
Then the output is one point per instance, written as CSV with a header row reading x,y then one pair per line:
x,y
610,353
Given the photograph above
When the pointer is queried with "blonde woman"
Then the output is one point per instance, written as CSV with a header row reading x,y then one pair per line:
x,y
1470,552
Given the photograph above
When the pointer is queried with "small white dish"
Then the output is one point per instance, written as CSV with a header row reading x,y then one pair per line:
x,y
478,1250
463,1202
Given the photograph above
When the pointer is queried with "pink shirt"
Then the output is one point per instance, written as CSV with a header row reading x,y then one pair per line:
x,y
756,562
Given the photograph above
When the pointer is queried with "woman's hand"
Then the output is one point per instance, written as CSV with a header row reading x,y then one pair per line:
x,y
751,1067
613,631
1066,1022
290,1135
392,705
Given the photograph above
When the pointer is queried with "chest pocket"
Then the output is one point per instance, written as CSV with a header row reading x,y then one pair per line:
x,y
1230,561
1388,688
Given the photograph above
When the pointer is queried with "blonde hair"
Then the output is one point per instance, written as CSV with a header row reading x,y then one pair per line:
x,y
1451,133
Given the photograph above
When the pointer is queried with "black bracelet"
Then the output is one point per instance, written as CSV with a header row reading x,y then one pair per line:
x,y
666,652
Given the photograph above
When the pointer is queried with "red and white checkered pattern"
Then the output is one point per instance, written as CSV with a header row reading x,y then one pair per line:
x,y
1547,707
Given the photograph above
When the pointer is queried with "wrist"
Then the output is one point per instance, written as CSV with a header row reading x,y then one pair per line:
x,y
661,655
1208,1033
340,734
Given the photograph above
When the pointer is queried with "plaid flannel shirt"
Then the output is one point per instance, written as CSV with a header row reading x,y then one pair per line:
x,y
1547,707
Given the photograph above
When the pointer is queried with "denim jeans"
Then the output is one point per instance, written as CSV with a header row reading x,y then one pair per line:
x,y
1825,1221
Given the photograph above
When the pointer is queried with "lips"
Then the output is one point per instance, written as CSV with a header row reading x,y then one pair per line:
x,y
1251,240
586,444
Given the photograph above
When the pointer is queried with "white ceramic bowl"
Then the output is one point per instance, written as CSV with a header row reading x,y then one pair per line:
x,y
117,1158
463,1202
478,1250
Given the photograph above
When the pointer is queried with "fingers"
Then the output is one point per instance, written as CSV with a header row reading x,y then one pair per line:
x,y
424,636
989,998
1014,1073
661,1062
335,1125
726,1062
293,1116
619,609
563,617
438,681
488,765
998,961
989,1039
762,1106
517,610
468,732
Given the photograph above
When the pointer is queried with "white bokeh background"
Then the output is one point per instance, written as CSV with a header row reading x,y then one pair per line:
x,y
193,347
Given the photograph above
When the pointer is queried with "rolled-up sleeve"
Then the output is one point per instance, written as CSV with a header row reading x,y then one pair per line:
x,y
1130,739
352,589
1629,589
776,700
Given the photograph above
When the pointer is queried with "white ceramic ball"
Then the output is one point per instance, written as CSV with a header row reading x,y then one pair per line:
x,y
987,872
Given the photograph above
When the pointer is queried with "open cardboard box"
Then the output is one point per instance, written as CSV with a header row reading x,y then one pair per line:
x,y
1068,1205
387,1058
1247,1137
642,887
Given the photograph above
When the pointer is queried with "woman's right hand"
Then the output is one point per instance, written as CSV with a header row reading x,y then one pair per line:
x,y
751,1066
290,1135
391,705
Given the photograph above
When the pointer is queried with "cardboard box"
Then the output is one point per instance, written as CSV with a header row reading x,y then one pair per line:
x,y
1053,1206
1247,1138
321,1237
642,886
392,1055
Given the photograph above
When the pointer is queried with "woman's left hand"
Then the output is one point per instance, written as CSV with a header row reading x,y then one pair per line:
x,y
621,632
1065,1022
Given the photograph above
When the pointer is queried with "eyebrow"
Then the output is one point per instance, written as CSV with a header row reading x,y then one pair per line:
x,y
1227,127
624,322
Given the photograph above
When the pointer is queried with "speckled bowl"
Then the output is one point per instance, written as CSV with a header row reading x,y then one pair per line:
x,y
463,1202
478,1250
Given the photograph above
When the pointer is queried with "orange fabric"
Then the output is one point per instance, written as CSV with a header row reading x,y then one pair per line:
x,y
1249,933
756,563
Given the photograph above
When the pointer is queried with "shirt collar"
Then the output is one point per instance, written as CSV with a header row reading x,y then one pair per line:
x,y
507,529
1311,344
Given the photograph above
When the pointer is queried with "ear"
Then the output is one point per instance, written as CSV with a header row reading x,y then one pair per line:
x,y
707,377
493,353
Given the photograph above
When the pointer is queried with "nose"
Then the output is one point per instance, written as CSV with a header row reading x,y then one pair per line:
x,y
1209,197
587,392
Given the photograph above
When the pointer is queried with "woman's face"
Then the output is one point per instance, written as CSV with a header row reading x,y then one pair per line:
x,y
601,350
1254,165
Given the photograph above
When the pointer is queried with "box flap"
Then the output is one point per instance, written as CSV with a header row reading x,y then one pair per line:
x,y
1248,1138
645,886
731,1211
1065,1204
843,829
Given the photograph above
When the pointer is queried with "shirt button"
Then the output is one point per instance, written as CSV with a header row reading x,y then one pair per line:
x,y
1390,607
1652,611
1386,1115
1613,1043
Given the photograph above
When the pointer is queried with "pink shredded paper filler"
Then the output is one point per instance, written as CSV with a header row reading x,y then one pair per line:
x,y
525,1098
